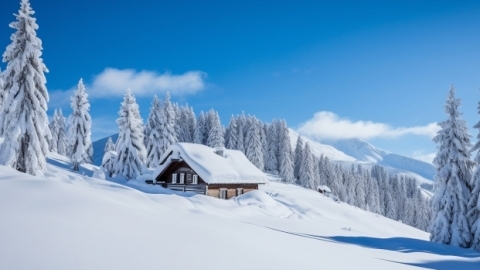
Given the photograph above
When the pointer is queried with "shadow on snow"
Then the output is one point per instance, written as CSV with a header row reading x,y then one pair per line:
x,y
465,258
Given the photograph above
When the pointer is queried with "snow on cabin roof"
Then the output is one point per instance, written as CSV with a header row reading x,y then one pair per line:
x,y
232,167
324,188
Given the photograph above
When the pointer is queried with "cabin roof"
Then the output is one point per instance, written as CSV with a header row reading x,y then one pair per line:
x,y
231,168
324,188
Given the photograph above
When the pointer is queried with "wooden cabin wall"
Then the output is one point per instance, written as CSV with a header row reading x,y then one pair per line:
x,y
214,189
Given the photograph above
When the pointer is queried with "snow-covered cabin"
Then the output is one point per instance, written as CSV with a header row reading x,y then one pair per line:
x,y
220,173
324,189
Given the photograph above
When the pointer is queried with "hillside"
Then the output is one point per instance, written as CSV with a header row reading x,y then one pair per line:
x,y
66,220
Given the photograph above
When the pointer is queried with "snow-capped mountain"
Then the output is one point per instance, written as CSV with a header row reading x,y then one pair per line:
x,y
356,150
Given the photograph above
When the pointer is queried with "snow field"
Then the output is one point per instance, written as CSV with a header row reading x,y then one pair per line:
x,y
67,220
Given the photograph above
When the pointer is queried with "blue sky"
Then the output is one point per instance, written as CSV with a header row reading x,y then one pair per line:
x,y
378,70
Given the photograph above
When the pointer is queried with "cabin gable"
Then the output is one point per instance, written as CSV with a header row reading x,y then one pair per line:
x,y
179,168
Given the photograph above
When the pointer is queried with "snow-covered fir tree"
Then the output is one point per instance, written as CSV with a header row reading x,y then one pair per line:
x,y
2,89
54,128
185,124
421,215
453,166
129,148
298,158
231,137
191,122
200,129
306,171
58,143
372,193
271,164
80,148
285,161
241,138
23,118
254,145
263,140
473,213
168,135
359,187
62,140
155,124
108,162
109,145
215,137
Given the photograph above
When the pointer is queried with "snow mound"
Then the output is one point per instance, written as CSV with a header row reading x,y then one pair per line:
x,y
264,202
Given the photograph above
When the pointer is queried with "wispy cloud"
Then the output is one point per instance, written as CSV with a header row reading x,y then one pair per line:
x,y
114,82
327,125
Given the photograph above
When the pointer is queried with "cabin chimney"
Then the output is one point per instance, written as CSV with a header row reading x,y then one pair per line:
x,y
220,151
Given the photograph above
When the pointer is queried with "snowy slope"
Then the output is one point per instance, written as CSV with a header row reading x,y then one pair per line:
x,y
355,150
364,151
72,221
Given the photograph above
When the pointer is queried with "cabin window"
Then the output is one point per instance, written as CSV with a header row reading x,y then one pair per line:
x,y
182,178
195,179
174,178
188,179
223,193
239,191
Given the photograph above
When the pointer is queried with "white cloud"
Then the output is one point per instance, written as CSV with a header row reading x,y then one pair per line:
x,y
114,82
420,155
327,125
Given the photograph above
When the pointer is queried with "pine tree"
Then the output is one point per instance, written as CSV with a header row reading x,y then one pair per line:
x,y
231,138
285,166
23,118
215,136
79,132
263,140
254,146
271,164
62,134
241,138
155,124
192,123
54,129
185,125
421,216
130,150
199,135
474,203
298,157
108,162
306,171
373,204
2,89
109,146
453,166
168,136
